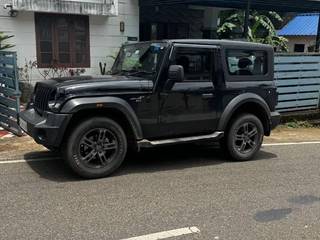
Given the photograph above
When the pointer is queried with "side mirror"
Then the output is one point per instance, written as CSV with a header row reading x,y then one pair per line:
x,y
176,73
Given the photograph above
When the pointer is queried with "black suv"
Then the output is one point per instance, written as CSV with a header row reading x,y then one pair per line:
x,y
158,93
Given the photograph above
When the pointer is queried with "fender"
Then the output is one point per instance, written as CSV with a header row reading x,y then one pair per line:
x,y
238,102
78,104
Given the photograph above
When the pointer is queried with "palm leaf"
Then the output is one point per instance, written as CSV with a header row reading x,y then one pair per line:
x,y
261,27
276,16
4,37
226,27
6,46
267,24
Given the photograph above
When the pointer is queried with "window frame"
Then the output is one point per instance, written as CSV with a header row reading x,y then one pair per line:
x,y
268,77
195,46
55,47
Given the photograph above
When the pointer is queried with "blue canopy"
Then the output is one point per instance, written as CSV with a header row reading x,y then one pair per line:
x,y
301,25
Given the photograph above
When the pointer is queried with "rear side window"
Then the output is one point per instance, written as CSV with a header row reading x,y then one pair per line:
x,y
247,62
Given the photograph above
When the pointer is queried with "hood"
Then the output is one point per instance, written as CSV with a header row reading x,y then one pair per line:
x,y
88,85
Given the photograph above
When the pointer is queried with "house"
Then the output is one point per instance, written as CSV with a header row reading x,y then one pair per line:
x,y
301,32
69,34
81,34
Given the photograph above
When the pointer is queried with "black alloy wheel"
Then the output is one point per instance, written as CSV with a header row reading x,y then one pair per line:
x,y
244,137
96,147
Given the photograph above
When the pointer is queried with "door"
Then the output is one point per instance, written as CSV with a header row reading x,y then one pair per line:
x,y
189,108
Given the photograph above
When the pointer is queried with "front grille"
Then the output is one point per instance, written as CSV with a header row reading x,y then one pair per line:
x,y
42,96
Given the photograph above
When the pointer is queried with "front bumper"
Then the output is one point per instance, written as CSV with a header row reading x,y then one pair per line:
x,y
47,130
275,120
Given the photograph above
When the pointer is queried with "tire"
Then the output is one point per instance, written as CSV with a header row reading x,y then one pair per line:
x,y
244,137
95,148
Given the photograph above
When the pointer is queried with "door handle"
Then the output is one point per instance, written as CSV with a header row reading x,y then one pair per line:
x,y
207,95
137,99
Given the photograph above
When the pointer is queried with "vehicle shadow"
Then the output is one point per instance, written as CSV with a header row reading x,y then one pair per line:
x,y
178,157
149,160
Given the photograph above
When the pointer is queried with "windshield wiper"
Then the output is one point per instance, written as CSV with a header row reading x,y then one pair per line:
x,y
138,72
135,72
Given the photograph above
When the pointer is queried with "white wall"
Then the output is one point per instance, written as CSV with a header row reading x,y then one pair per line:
x,y
23,29
306,40
105,35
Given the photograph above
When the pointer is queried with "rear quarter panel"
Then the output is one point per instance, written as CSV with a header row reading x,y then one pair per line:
x,y
261,85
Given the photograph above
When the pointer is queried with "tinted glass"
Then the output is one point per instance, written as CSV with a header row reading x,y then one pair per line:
x,y
81,40
46,58
62,40
299,47
197,63
141,59
247,62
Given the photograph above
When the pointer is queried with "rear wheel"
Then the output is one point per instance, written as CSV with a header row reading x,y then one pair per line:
x,y
96,148
244,137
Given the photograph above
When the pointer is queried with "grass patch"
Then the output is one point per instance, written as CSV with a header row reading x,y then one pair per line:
x,y
299,124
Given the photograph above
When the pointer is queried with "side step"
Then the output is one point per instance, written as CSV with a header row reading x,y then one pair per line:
x,y
148,144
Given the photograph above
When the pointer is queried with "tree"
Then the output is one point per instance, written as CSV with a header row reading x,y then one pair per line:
x,y
261,27
4,37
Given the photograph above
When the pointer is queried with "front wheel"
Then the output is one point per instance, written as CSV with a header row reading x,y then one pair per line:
x,y
95,148
244,137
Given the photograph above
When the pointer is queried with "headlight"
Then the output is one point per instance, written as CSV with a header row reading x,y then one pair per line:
x,y
51,104
54,104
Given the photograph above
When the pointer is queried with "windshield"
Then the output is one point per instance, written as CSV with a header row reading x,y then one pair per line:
x,y
141,60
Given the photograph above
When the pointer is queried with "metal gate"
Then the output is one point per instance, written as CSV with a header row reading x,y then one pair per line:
x,y
9,92
298,81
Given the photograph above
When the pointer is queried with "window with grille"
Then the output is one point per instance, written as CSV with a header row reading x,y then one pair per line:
x,y
62,40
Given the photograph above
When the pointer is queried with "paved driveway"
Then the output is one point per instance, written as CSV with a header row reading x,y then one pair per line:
x,y
276,197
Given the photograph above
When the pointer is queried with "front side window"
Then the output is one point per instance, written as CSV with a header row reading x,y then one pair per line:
x,y
197,63
62,40
247,62
142,60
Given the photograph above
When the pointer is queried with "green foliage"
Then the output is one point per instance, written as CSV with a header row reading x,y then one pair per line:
x,y
4,37
299,124
261,27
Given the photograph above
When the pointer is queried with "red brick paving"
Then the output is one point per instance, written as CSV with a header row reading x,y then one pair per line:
x,y
3,133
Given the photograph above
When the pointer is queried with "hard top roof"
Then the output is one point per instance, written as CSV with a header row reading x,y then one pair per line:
x,y
226,43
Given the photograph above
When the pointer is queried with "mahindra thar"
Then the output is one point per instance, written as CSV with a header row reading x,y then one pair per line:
x,y
158,93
